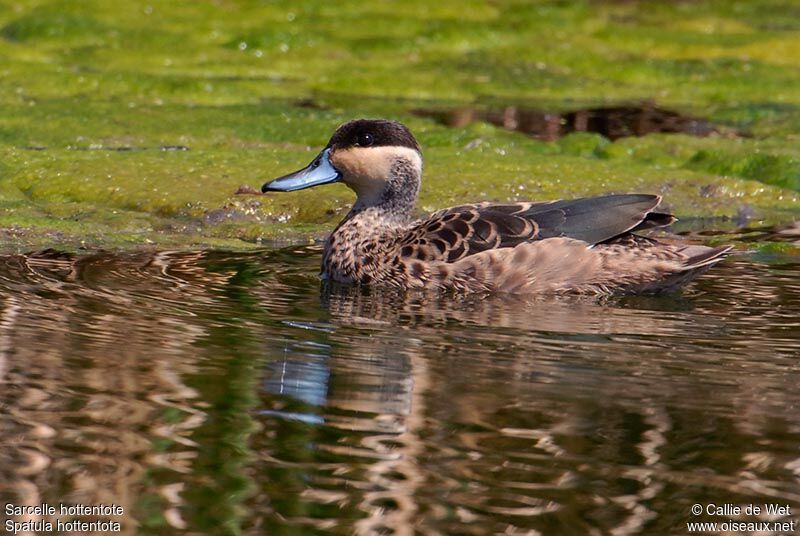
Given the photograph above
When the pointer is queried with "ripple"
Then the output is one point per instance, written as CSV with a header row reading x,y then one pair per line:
x,y
210,388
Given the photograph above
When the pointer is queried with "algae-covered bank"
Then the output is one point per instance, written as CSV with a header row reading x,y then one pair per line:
x,y
134,123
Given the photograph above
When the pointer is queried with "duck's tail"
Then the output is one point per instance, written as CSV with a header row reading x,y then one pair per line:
x,y
703,256
698,260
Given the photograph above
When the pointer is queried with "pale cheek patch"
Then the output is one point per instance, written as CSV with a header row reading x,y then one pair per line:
x,y
366,169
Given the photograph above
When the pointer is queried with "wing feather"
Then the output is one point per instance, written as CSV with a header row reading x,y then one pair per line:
x,y
465,230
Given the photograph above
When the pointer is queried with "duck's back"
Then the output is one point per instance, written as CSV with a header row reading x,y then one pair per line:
x,y
580,246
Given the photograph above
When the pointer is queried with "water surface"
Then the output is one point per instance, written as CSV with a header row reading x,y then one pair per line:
x,y
218,392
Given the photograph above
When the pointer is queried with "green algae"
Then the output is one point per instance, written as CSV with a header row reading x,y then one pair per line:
x,y
135,124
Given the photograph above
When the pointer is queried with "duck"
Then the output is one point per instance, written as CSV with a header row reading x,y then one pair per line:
x,y
588,245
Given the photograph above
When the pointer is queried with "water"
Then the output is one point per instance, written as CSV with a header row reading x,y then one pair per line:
x,y
216,392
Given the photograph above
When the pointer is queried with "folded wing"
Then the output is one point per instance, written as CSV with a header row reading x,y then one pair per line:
x,y
458,232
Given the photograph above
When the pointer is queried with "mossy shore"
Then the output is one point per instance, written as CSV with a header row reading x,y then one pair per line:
x,y
135,123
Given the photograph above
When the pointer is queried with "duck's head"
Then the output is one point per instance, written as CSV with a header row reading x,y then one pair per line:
x,y
378,159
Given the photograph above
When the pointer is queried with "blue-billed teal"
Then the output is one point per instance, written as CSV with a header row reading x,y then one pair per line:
x,y
586,245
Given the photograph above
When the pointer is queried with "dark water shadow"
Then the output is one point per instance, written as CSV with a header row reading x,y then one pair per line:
x,y
613,122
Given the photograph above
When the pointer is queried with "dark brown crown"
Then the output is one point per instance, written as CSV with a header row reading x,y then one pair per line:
x,y
373,133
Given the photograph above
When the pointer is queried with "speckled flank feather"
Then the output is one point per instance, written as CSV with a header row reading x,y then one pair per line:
x,y
561,265
586,246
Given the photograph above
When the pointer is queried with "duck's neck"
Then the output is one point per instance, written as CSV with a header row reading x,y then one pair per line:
x,y
359,246
371,222
394,201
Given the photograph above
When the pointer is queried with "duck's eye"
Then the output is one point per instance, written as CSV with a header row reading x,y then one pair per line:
x,y
365,139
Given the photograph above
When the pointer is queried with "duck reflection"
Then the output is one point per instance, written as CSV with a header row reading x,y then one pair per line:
x,y
364,306
301,374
